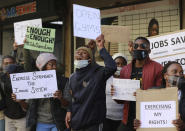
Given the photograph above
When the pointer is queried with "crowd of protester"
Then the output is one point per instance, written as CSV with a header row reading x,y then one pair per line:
x,y
83,102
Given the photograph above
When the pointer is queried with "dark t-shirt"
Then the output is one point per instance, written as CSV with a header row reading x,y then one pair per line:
x,y
136,75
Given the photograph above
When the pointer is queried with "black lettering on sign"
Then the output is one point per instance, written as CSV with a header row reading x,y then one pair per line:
x,y
157,113
31,83
40,89
40,31
159,44
178,40
41,38
87,27
35,76
157,122
164,63
44,46
16,90
180,61
19,78
48,95
158,107
87,14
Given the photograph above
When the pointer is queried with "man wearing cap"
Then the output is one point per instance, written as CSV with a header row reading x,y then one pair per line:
x,y
88,106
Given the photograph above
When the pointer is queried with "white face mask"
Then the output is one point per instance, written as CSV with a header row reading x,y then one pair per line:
x,y
118,71
80,63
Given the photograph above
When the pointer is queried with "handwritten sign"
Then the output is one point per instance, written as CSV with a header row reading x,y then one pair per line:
x,y
86,22
40,39
21,27
31,85
114,33
158,114
125,88
156,109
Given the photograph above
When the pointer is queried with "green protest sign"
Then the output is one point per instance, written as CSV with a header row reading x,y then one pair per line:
x,y
40,39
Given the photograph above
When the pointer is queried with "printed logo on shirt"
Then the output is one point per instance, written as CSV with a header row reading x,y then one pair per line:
x,y
85,84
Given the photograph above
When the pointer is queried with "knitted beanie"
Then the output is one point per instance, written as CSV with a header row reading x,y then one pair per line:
x,y
43,59
116,55
86,49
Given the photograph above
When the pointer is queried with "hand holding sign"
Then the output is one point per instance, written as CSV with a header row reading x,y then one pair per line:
x,y
156,109
14,98
57,94
179,124
100,41
137,123
30,85
16,46
125,89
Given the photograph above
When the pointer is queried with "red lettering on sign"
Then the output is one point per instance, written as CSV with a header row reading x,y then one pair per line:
x,y
26,8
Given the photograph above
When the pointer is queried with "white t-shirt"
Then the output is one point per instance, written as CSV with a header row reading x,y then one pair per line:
x,y
114,110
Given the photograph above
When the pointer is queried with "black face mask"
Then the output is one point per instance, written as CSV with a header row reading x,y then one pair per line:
x,y
140,54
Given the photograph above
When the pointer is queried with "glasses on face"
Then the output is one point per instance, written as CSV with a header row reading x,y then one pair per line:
x,y
142,46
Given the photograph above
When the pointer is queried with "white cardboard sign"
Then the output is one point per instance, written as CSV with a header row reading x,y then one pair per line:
x,y
86,22
157,114
168,47
21,27
167,44
180,58
31,85
125,88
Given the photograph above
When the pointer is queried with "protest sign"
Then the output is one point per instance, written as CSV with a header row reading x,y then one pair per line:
x,y
167,44
31,85
116,34
86,22
180,58
21,27
156,109
125,88
168,47
40,39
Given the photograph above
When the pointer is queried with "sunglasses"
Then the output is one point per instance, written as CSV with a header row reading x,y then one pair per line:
x,y
142,46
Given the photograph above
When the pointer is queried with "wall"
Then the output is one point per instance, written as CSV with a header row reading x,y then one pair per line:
x,y
183,14
138,16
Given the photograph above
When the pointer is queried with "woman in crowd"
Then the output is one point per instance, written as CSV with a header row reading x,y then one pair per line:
x,y
47,114
153,28
173,77
114,111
